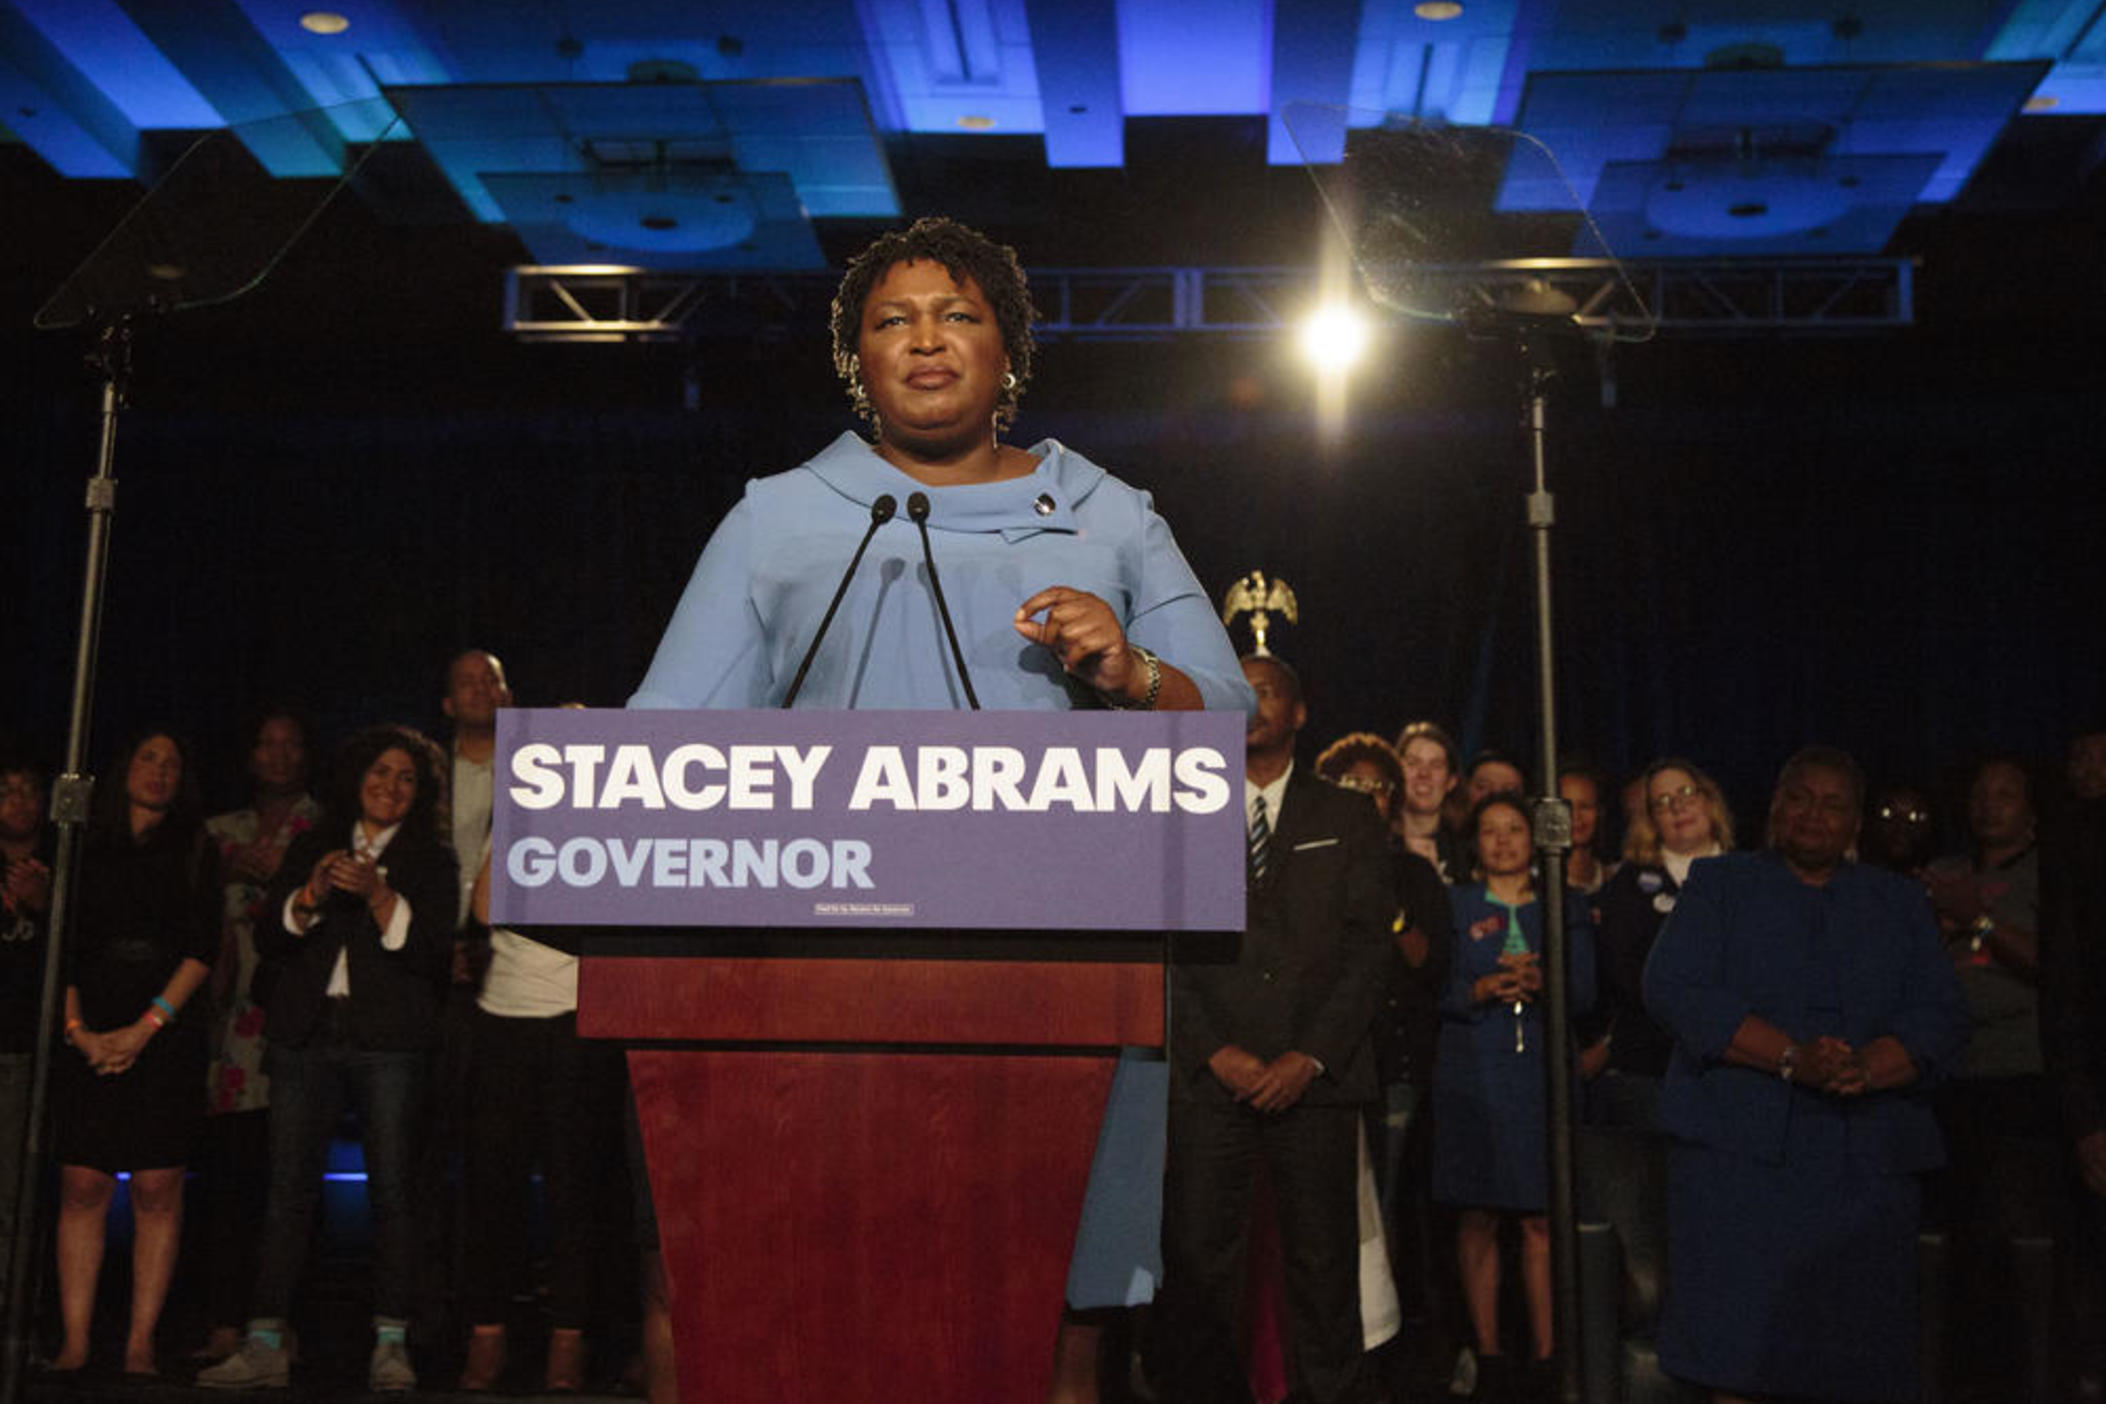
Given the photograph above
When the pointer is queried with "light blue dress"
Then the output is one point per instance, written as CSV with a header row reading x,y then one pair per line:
x,y
764,581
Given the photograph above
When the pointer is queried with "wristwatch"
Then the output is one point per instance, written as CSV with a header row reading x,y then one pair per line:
x,y
1155,681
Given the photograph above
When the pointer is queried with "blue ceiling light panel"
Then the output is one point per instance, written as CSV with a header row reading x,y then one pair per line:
x,y
956,65
1777,206
613,41
690,220
104,47
818,132
1436,70
1195,58
659,175
1764,161
1313,44
216,48
381,44
1691,34
714,133
2071,34
54,107
1082,106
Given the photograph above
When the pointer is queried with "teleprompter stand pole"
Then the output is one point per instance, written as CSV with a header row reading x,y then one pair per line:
x,y
70,795
1553,839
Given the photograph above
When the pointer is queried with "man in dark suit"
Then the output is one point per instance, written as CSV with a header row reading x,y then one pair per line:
x,y
1270,1062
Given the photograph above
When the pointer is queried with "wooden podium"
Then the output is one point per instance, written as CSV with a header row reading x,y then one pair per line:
x,y
868,1172
869,1082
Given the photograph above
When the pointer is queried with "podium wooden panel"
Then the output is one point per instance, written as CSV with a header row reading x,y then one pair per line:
x,y
868,1173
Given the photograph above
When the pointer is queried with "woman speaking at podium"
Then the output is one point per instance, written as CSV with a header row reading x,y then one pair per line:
x,y
1063,587
1020,579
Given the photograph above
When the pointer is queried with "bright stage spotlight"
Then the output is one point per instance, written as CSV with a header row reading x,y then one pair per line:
x,y
1334,337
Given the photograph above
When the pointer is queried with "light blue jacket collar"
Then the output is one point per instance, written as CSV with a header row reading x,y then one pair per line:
x,y
1043,500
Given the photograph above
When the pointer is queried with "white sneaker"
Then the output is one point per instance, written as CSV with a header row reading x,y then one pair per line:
x,y
390,1371
1462,1381
257,1365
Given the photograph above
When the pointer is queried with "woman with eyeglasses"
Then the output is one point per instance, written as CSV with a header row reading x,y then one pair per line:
x,y
1683,818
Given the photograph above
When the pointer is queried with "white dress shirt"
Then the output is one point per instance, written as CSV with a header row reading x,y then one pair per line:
x,y
392,938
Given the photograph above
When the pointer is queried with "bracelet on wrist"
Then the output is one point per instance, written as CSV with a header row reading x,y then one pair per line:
x,y
153,1016
161,1003
1788,1061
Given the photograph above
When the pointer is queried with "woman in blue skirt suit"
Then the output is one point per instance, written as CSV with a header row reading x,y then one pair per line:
x,y
1489,1098
1810,1007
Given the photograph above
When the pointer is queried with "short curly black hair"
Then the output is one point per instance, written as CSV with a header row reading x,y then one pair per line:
x,y
964,253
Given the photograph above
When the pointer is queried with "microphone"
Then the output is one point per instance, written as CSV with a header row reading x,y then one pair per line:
x,y
880,513
918,513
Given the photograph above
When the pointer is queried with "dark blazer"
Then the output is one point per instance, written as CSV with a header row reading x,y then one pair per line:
x,y
1858,958
1629,910
395,995
1313,961
1408,1024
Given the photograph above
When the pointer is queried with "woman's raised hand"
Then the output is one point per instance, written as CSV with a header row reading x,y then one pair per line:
x,y
1084,635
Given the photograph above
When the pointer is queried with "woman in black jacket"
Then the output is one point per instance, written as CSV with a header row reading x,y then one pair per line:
x,y
355,938
1685,818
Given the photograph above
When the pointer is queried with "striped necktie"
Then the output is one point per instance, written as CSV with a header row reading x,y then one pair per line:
x,y
1260,839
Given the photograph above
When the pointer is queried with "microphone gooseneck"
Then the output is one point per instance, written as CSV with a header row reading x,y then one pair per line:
x,y
918,513
881,512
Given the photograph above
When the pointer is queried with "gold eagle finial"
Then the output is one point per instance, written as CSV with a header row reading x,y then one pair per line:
x,y
1259,597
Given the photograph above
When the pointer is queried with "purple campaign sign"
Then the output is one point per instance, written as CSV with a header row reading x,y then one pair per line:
x,y
1024,820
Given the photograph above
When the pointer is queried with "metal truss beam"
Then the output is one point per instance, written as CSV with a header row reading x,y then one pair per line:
x,y
1730,298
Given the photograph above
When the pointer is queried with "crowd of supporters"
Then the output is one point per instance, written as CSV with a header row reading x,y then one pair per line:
x,y
236,983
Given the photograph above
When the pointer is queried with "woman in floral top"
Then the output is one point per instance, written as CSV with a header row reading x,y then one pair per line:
x,y
252,843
